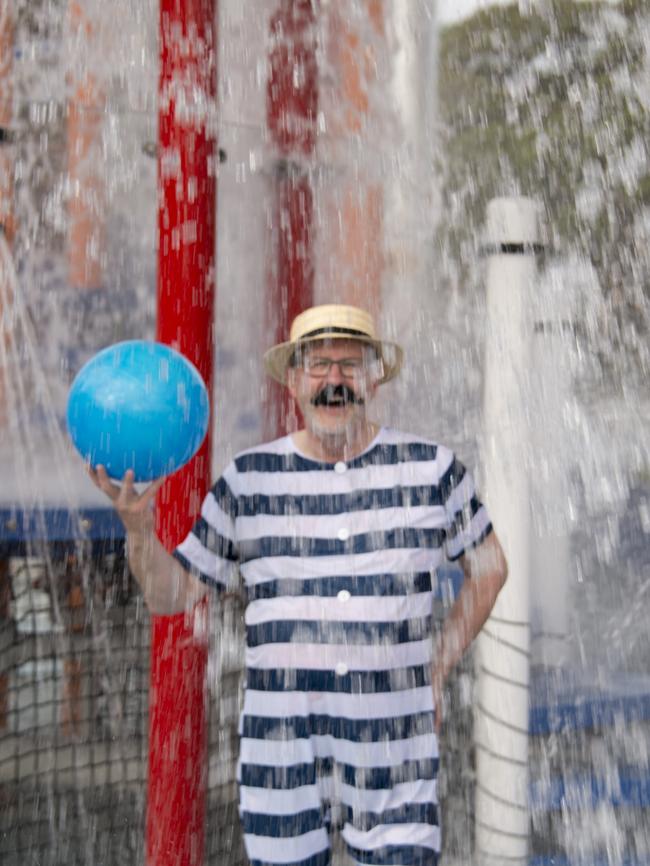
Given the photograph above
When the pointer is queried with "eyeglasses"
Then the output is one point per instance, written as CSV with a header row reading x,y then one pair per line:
x,y
351,368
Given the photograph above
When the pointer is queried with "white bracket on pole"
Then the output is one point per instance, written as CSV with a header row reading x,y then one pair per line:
x,y
503,648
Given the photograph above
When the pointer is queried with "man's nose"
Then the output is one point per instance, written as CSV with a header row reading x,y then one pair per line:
x,y
334,374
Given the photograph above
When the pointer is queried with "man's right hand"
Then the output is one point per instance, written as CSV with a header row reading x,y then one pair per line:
x,y
134,508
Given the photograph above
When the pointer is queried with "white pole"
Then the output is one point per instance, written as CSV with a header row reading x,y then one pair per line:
x,y
503,652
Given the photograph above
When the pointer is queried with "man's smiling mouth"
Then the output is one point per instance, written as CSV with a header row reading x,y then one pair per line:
x,y
336,396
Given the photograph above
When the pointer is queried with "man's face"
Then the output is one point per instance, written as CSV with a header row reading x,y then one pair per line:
x,y
332,382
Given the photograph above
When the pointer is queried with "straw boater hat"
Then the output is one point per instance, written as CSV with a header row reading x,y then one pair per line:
x,y
332,322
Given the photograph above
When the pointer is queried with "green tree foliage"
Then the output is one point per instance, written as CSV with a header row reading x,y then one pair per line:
x,y
554,104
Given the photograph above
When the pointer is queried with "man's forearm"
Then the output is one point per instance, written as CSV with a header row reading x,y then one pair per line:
x,y
165,584
486,572
464,621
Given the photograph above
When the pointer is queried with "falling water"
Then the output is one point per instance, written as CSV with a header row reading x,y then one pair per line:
x,y
547,100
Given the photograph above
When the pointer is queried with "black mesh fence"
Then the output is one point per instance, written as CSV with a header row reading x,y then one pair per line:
x,y
74,691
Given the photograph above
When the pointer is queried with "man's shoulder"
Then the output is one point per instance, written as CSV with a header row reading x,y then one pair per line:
x,y
277,455
257,456
392,436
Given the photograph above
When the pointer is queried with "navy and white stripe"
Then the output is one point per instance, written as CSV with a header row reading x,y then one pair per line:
x,y
337,561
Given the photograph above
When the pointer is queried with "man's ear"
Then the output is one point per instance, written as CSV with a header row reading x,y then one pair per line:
x,y
371,388
376,370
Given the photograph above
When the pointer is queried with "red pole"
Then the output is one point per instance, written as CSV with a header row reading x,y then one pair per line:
x,y
291,108
186,294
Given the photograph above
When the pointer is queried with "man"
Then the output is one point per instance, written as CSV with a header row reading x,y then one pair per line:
x,y
336,532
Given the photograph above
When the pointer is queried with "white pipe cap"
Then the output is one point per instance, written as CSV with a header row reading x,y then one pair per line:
x,y
513,221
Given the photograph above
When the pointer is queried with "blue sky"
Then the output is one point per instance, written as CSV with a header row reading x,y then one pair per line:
x,y
455,10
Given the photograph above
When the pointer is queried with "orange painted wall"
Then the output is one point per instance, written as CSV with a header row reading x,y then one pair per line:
x,y
86,202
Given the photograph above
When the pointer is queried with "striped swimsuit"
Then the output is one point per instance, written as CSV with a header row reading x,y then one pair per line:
x,y
338,562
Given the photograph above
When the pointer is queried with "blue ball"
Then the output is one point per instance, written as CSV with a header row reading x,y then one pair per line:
x,y
138,405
